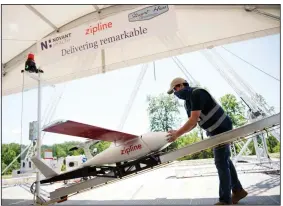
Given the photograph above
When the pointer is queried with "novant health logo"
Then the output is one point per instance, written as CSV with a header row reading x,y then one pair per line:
x,y
53,42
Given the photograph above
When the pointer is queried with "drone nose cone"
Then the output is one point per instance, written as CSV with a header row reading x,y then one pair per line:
x,y
155,140
162,136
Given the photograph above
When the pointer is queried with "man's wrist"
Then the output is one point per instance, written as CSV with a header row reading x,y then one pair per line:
x,y
179,133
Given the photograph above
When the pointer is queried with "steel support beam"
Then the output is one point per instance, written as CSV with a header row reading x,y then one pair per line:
x,y
244,148
254,9
3,70
80,186
41,16
96,8
261,148
223,138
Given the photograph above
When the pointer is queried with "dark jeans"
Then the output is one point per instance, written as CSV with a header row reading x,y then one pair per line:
x,y
227,173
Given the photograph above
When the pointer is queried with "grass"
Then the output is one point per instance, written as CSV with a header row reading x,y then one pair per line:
x,y
274,155
6,176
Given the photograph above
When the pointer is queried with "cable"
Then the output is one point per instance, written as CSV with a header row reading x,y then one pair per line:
x,y
21,146
232,71
251,64
183,69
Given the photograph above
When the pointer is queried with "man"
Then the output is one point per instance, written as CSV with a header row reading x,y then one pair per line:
x,y
202,108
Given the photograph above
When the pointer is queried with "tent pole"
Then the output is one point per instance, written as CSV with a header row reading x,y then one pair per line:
x,y
38,138
103,60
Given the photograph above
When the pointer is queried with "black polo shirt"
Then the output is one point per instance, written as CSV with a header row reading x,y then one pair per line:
x,y
200,99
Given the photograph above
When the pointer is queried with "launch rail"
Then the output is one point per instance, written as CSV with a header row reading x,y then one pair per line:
x,y
109,174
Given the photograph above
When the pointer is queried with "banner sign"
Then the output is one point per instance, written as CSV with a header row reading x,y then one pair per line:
x,y
111,32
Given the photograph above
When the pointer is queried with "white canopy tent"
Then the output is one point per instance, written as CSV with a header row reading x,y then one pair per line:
x,y
194,27
167,31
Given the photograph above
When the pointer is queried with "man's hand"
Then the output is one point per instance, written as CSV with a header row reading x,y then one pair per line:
x,y
173,135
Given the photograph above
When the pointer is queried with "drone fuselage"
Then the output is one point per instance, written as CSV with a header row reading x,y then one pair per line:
x,y
131,149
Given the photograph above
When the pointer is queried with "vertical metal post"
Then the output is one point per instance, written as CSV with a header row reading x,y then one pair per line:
x,y
102,50
103,60
264,136
256,147
233,150
38,137
154,71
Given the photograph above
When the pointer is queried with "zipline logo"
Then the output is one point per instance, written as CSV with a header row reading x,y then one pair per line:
x,y
97,28
131,149
55,41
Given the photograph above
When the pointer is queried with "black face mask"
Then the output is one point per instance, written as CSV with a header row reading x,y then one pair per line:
x,y
184,93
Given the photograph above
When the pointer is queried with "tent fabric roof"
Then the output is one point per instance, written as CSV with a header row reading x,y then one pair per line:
x,y
198,27
23,25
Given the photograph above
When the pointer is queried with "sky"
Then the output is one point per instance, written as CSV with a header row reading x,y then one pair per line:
x,y
100,100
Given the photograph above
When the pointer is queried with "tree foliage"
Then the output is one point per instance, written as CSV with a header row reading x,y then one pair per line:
x,y
234,109
163,112
191,138
101,146
11,151
272,144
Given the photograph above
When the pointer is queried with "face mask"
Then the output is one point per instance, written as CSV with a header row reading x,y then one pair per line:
x,y
183,93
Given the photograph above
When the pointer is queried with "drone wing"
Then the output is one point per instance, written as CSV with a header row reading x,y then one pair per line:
x,y
72,128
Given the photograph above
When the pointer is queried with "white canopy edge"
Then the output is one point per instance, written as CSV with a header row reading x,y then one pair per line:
x,y
205,28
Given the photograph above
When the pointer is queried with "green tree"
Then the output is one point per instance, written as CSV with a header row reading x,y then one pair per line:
x,y
192,138
163,112
3,165
9,156
234,109
101,146
59,151
4,150
272,143
276,149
